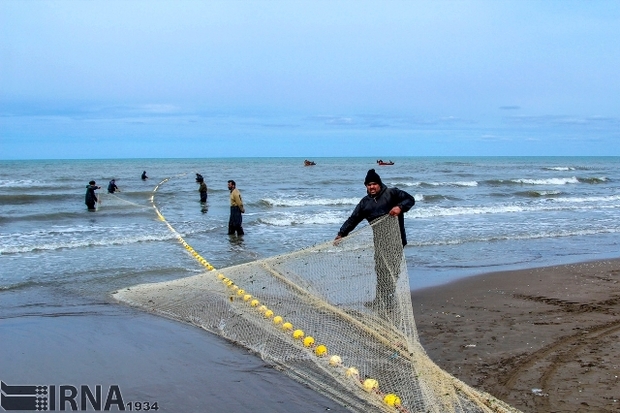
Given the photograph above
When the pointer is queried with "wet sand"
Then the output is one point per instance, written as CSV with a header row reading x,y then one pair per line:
x,y
542,340
151,359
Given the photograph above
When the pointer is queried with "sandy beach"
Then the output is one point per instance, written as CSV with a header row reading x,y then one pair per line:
x,y
543,339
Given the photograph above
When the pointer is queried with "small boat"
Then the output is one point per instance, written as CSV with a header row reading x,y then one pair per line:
x,y
380,162
309,163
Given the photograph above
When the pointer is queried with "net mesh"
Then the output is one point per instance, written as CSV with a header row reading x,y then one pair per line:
x,y
336,316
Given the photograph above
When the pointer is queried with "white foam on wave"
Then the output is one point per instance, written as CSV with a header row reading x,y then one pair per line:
x,y
19,183
516,237
560,168
549,181
49,241
300,202
597,199
449,183
555,204
290,219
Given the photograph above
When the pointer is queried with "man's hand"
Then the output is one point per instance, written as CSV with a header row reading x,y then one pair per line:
x,y
337,240
395,211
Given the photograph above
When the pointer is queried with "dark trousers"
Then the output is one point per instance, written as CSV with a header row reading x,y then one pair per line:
x,y
388,265
235,221
203,197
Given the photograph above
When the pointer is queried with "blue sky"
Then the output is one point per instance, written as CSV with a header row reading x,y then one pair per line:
x,y
180,78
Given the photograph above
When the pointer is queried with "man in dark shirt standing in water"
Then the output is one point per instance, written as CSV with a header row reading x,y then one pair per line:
x,y
379,201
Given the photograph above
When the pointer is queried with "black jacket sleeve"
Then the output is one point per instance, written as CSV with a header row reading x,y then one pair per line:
x,y
404,200
356,217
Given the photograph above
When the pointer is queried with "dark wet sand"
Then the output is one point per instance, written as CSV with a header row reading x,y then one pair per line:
x,y
150,358
543,339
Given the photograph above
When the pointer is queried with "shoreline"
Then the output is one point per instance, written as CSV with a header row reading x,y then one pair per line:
x,y
542,339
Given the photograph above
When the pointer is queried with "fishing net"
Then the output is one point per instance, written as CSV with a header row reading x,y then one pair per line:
x,y
336,316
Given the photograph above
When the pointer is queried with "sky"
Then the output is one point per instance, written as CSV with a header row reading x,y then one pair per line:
x,y
241,78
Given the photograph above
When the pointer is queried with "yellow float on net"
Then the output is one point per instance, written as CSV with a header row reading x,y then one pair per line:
x,y
298,334
268,313
277,319
309,341
240,291
254,303
352,372
262,308
370,385
220,276
287,326
247,297
320,350
391,400
334,360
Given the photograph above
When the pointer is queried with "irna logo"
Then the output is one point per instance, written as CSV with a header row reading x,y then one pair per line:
x,y
67,398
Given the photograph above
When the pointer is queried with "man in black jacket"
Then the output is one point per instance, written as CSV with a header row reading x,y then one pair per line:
x,y
91,196
379,201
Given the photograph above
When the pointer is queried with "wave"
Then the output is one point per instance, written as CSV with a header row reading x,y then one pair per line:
x,y
435,184
593,180
19,285
530,181
289,202
539,194
516,237
589,199
566,168
547,181
559,168
22,183
293,219
553,204
6,249
21,199
434,198
119,211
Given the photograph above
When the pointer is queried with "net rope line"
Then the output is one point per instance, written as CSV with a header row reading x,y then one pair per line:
x,y
102,196
409,350
320,350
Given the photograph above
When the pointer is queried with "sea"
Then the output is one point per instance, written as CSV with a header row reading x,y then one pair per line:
x,y
472,215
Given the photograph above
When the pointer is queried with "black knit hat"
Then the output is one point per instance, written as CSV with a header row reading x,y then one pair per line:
x,y
372,176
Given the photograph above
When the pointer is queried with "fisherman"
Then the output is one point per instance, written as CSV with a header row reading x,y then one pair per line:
x,y
112,187
202,189
379,201
91,196
236,209
144,177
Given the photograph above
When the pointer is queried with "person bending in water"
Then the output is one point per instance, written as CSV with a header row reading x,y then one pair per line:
x,y
112,187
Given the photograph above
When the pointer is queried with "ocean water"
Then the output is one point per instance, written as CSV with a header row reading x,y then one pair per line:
x,y
472,215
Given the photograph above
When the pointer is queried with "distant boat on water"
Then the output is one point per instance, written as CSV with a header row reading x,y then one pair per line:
x,y
381,162
309,163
